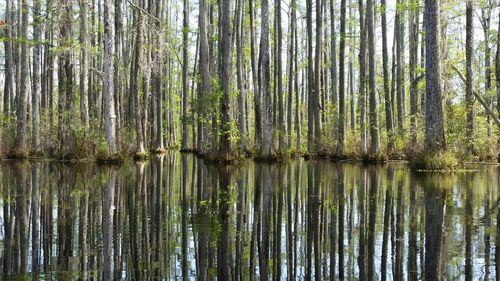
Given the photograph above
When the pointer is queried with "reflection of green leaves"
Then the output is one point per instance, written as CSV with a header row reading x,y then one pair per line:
x,y
203,203
205,221
156,265
212,271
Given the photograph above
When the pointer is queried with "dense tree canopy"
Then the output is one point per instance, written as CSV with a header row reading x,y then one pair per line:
x,y
371,79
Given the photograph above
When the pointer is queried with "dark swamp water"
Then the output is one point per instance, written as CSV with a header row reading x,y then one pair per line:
x,y
175,218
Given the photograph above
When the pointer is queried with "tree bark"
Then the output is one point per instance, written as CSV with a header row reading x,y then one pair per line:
x,y
317,78
9,86
255,76
242,95
65,78
310,78
486,22
205,84
400,83
414,23
265,77
389,125
84,64
22,95
134,81
352,94
118,72
108,87
497,73
225,58
362,75
469,98
185,63
374,148
292,75
298,100
333,67
434,122
341,124
35,106
156,76
279,79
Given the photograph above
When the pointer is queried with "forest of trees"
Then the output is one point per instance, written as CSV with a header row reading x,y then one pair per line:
x,y
225,79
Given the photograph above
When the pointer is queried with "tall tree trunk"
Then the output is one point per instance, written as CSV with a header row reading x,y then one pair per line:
x,y
422,65
279,78
117,75
185,65
317,78
298,101
21,149
9,86
400,84
414,23
362,74
84,64
310,78
374,148
194,75
434,122
134,81
225,59
352,94
341,125
48,71
156,76
486,22
65,79
333,66
393,79
35,106
469,98
67,63
147,70
205,84
497,75
292,75
385,57
255,76
266,142
242,95
215,68
108,87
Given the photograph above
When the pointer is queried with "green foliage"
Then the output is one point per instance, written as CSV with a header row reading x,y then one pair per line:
x,y
435,161
103,148
378,157
7,132
141,156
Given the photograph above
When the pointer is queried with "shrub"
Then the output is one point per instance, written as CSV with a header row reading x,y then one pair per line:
x,y
435,161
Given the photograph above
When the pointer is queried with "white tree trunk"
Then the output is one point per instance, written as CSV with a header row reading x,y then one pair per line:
x,y
109,105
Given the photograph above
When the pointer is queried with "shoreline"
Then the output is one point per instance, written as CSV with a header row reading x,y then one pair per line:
x,y
306,157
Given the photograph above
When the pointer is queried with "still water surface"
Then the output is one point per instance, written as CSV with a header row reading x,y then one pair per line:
x,y
176,218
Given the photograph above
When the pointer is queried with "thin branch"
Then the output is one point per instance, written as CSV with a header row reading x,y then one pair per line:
x,y
143,11
478,97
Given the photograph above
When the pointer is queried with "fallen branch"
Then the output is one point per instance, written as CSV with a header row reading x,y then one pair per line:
x,y
143,11
478,97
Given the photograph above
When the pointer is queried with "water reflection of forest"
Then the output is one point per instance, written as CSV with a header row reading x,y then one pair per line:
x,y
175,217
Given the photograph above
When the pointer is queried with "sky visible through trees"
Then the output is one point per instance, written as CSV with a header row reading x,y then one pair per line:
x,y
110,79
154,106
